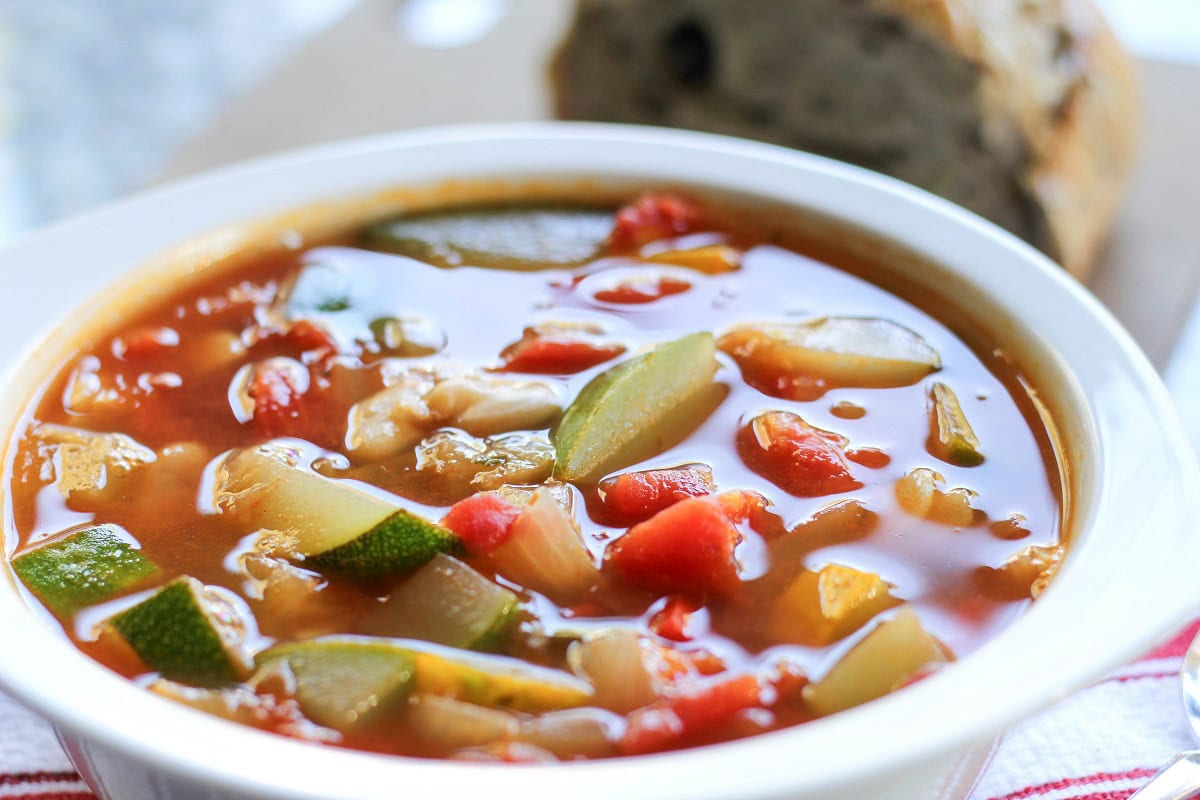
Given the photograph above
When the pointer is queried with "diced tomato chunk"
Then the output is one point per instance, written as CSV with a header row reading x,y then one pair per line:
x,y
482,521
636,496
312,339
796,457
672,622
276,388
700,710
633,292
669,665
652,217
686,548
742,505
555,354
144,343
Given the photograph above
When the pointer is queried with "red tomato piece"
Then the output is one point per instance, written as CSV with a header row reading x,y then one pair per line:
x,y
311,338
701,709
551,354
672,622
482,521
686,548
637,496
796,457
741,505
633,292
652,217
276,388
144,343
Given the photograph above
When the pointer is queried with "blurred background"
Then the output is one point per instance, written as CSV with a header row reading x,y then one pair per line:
x,y
97,98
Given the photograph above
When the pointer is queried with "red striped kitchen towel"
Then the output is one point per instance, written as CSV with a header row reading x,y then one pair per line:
x,y
1101,743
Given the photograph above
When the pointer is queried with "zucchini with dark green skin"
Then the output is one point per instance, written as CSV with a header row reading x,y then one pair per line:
x,y
951,437
83,568
346,684
184,633
337,527
632,404
521,237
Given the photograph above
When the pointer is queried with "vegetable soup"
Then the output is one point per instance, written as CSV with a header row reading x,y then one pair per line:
x,y
534,482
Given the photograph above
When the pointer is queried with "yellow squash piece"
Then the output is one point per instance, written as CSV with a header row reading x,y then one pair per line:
x,y
713,259
492,681
819,608
887,657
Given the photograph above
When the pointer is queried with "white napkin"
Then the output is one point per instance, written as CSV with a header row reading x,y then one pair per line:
x,y
1101,743
32,764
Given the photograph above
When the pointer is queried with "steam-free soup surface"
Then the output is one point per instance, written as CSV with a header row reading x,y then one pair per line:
x,y
533,483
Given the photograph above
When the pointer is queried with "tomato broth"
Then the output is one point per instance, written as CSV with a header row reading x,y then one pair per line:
x,y
625,480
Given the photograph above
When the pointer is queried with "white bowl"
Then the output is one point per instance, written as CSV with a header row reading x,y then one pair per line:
x,y
1130,576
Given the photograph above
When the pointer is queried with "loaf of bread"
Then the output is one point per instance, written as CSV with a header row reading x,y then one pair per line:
x,y
1023,111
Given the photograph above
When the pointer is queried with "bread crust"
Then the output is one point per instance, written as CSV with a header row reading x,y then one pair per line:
x,y
1042,85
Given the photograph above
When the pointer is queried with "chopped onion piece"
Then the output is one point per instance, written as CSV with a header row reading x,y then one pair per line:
x,y
545,552
446,724
614,661
574,732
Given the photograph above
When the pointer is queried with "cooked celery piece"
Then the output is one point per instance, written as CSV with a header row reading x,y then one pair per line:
x,y
445,724
448,603
919,494
545,552
492,681
482,405
187,632
844,351
891,654
614,661
574,732
950,435
321,288
84,568
820,608
408,337
520,237
621,415
336,527
346,684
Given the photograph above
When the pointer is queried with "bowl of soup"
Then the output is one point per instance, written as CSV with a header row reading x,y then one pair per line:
x,y
525,460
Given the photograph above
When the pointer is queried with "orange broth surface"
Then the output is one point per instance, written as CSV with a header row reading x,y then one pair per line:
x,y
168,380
